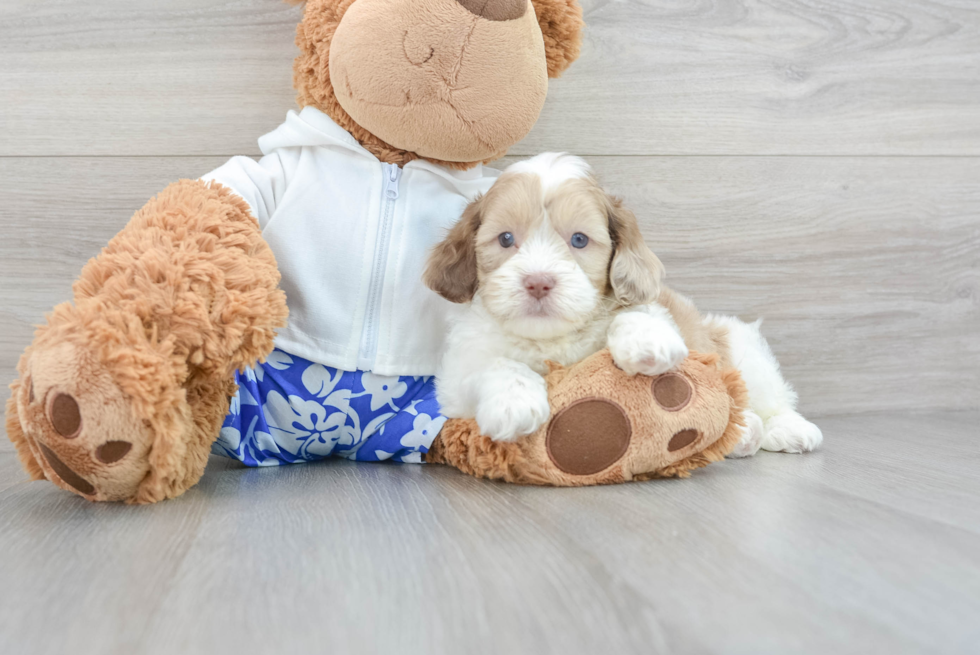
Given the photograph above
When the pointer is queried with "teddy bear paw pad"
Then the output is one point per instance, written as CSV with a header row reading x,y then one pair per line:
x,y
588,436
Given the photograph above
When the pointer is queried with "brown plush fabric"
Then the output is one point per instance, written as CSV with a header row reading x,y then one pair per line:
x,y
16,435
65,417
672,391
66,474
588,436
660,444
429,79
122,393
112,451
682,439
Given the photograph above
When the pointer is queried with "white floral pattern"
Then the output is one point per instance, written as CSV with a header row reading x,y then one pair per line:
x,y
288,409
424,430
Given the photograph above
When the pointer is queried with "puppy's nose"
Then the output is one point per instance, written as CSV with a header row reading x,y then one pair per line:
x,y
498,10
539,285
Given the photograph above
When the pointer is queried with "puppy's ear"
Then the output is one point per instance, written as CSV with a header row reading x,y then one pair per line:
x,y
561,25
451,270
634,272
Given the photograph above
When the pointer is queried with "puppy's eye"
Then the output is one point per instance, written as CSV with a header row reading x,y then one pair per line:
x,y
506,239
579,240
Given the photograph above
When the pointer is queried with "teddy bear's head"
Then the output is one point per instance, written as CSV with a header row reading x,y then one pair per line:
x,y
457,82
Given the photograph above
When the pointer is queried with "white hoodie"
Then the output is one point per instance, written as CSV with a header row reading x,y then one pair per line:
x,y
351,236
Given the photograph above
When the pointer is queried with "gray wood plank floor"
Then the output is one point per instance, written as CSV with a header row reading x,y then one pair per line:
x,y
870,545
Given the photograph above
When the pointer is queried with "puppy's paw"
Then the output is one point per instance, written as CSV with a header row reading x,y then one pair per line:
x,y
642,344
512,411
751,439
791,433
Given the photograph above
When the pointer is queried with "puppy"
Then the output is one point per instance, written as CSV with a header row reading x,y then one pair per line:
x,y
554,269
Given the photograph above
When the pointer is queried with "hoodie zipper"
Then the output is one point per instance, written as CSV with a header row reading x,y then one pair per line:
x,y
369,340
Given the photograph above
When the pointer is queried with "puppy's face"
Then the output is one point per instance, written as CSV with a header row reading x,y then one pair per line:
x,y
546,249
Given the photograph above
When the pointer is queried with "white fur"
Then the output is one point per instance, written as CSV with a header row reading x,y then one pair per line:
x,y
572,302
513,400
646,341
553,168
770,396
496,376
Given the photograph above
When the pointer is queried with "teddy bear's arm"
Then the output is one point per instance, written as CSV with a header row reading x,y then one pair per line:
x,y
143,359
261,184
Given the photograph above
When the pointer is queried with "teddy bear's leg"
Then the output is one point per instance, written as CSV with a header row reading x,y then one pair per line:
x,y
126,383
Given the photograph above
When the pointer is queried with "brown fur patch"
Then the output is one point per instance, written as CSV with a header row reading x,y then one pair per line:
x,y
698,335
635,272
451,270
513,204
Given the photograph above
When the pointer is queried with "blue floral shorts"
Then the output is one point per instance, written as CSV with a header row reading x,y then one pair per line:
x,y
291,410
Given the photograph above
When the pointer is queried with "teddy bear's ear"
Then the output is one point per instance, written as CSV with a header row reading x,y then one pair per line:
x,y
561,24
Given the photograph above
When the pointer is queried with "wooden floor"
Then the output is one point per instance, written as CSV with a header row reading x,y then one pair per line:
x,y
871,545
814,162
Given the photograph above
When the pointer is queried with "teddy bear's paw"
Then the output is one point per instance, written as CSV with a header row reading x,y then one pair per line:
x,y
752,434
641,344
789,432
511,411
80,425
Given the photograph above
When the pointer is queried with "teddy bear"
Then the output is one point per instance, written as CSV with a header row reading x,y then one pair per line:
x,y
273,311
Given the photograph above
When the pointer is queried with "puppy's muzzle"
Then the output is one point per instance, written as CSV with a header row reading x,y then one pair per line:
x,y
539,285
